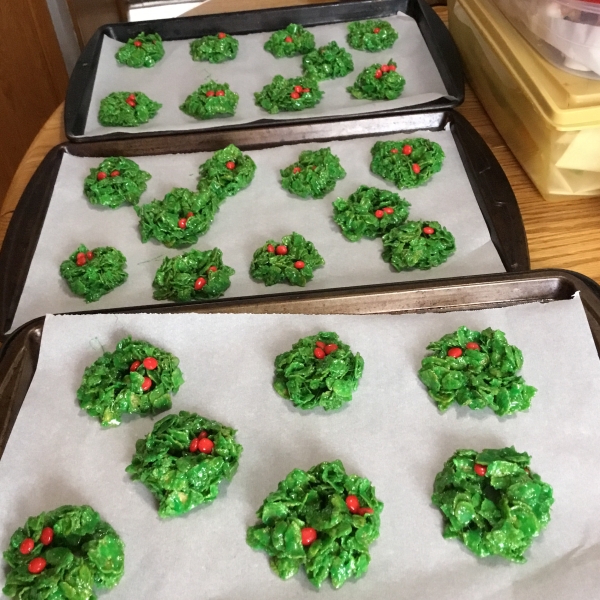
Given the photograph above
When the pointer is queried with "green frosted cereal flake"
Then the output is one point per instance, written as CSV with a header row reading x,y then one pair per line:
x,y
214,48
328,62
322,519
287,95
407,163
137,378
478,370
93,273
63,554
144,50
371,36
115,181
291,41
314,174
492,502
183,460
319,370
378,82
417,245
292,261
369,212
126,109
192,276
211,100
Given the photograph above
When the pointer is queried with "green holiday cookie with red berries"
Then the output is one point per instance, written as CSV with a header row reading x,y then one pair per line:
x,y
293,261
214,48
144,50
179,219
407,163
126,109
322,519
115,181
137,378
314,174
286,95
192,276
69,552
371,36
477,369
227,172
378,82
291,41
93,273
328,62
492,502
183,461
211,100
319,370
417,245
369,212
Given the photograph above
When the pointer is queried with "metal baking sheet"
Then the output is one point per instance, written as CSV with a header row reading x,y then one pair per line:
x,y
410,548
19,353
487,180
81,104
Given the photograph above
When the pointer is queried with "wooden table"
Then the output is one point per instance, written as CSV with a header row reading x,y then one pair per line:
x,y
562,234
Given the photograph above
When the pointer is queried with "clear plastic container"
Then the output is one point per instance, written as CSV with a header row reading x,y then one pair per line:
x,y
566,32
550,119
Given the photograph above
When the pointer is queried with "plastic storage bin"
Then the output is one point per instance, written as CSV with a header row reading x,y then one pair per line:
x,y
550,119
566,32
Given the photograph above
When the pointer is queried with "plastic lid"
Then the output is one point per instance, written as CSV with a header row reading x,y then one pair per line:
x,y
583,5
564,100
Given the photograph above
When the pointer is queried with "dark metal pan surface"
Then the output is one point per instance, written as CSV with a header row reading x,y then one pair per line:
x,y
436,36
492,190
19,354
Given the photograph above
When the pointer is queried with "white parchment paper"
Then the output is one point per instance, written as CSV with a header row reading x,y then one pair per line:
x,y
176,76
263,210
391,433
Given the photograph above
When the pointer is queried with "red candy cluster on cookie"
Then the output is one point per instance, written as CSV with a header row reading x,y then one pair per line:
x,y
298,90
202,443
322,349
38,564
353,504
149,363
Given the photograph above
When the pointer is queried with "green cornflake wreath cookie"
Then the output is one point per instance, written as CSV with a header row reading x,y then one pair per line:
x,y
141,51
136,378
63,553
417,245
369,212
183,461
297,93
372,36
93,273
179,219
194,275
291,261
125,109
378,82
211,100
322,519
492,502
314,174
476,369
115,181
291,41
319,370
214,48
227,172
328,62
407,163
